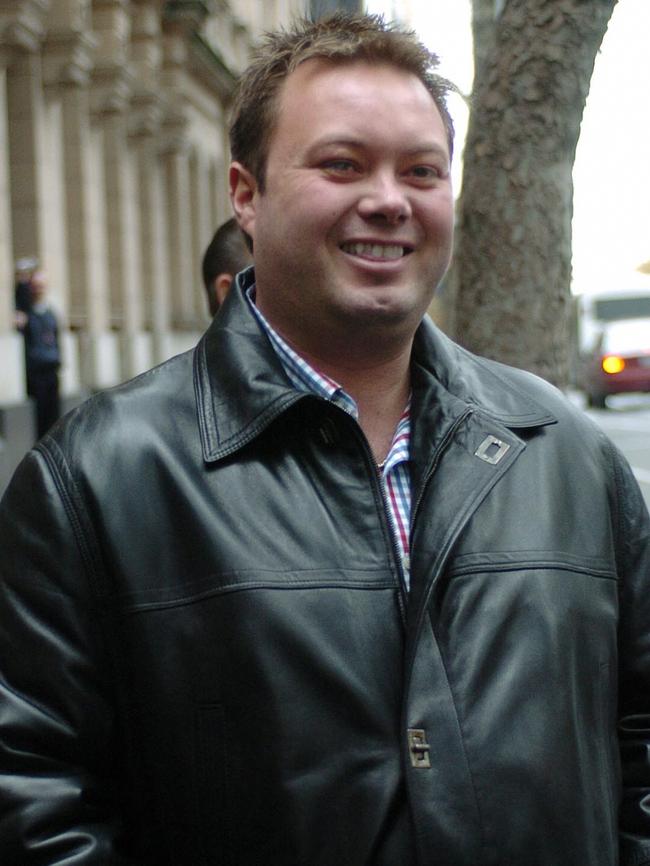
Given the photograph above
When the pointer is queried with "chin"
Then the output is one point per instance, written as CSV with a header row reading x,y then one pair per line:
x,y
394,301
388,314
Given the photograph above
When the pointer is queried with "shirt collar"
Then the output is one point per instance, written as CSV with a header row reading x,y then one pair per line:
x,y
301,374
306,378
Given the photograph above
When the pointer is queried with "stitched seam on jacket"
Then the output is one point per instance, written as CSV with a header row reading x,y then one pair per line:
x,y
531,565
182,601
617,528
85,549
477,799
282,577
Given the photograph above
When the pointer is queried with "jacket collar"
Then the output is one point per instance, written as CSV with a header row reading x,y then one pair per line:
x,y
241,388
239,382
498,391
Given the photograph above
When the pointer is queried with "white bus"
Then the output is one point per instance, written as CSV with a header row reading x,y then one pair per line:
x,y
594,311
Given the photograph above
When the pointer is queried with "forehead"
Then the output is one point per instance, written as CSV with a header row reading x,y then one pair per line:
x,y
322,94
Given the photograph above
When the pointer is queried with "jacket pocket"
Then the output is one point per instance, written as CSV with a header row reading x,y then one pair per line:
x,y
210,783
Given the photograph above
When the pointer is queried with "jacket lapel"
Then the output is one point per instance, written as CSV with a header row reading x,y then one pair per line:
x,y
464,420
239,382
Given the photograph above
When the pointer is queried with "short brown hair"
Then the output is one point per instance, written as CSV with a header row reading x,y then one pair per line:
x,y
226,253
341,38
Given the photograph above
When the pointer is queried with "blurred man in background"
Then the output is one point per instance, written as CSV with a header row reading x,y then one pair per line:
x,y
40,329
226,255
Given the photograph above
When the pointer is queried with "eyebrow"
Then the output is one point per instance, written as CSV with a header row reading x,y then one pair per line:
x,y
424,147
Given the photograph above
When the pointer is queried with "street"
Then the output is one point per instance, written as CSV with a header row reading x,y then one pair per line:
x,y
627,423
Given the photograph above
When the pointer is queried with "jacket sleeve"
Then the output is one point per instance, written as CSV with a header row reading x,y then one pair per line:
x,y
58,782
633,563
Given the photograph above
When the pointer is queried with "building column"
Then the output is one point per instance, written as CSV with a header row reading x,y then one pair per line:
x,y
146,112
175,151
21,32
202,230
6,257
112,85
175,159
125,290
25,152
26,147
86,247
12,371
69,57
153,275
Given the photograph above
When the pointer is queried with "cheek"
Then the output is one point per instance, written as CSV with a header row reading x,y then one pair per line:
x,y
439,221
321,203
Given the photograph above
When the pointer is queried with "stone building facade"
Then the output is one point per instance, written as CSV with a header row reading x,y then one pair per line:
x,y
113,158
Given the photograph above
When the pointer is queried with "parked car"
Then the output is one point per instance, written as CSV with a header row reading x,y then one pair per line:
x,y
619,362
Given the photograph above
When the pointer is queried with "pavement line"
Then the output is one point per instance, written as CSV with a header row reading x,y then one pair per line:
x,y
641,475
624,428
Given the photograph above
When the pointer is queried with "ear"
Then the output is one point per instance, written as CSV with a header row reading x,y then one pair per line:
x,y
221,286
243,188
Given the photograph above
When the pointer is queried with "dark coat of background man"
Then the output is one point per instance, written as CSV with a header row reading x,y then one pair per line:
x,y
226,255
328,589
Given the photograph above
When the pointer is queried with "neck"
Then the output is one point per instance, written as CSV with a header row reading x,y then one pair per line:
x,y
371,362
380,388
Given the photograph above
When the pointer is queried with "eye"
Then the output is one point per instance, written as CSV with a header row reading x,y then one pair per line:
x,y
424,173
340,166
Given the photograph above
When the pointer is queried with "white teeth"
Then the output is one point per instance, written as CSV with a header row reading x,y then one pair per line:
x,y
375,251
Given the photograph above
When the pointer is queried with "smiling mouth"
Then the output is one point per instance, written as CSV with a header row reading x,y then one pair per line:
x,y
379,252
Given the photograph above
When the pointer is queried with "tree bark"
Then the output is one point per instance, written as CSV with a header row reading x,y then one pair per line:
x,y
512,269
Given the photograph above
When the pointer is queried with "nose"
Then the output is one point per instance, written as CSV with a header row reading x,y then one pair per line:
x,y
385,198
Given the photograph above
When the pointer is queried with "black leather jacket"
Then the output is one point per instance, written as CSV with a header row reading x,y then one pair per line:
x,y
207,655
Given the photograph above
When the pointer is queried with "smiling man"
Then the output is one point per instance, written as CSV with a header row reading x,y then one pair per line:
x,y
328,590
351,225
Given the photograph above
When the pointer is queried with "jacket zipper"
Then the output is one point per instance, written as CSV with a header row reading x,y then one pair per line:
x,y
414,513
385,515
403,590
434,463
415,506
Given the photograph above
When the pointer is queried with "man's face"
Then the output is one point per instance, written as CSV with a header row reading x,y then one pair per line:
x,y
38,286
354,227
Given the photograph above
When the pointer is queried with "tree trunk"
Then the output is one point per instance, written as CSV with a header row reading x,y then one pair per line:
x,y
512,270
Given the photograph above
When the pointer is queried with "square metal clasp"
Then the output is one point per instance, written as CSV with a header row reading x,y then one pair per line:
x,y
491,449
419,749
